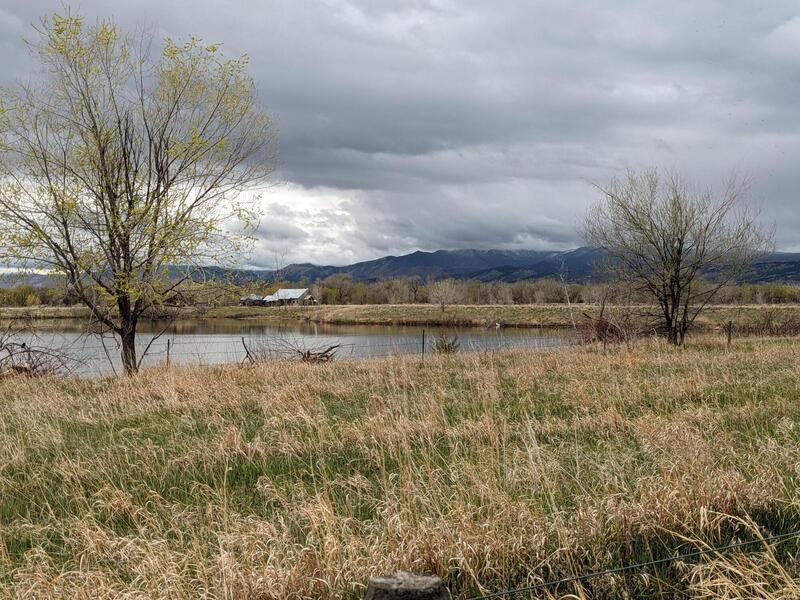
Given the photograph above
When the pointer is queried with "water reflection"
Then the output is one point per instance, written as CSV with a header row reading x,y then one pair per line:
x,y
220,340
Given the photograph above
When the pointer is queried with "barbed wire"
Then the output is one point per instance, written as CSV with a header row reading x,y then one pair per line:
x,y
92,355
515,342
651,563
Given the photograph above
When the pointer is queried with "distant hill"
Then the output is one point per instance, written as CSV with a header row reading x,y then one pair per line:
x,y
484,265
779,267
37,280
575,265
479,264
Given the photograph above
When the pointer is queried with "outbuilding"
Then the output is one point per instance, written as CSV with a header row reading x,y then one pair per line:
x,y
286,296
251,300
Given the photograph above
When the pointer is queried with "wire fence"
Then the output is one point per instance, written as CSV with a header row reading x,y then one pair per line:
x,y
93,354
554,584
97,355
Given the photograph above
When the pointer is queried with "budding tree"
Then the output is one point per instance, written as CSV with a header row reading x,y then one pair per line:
x,y
121,161
677,245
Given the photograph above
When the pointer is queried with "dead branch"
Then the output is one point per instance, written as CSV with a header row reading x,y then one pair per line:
x,y
281,348
319,356
30,357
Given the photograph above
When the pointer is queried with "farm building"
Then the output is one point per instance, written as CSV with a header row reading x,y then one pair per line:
x,y
251,300
289,296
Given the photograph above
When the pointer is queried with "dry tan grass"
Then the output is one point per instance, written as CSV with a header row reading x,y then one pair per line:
x,y
492,470
759,574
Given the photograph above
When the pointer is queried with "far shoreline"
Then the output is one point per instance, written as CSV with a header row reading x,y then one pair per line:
x,y
524,316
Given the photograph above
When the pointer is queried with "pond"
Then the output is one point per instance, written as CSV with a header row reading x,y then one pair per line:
x,y
209,341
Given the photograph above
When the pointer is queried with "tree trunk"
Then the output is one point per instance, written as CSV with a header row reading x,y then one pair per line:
x,y
128,339
683,328
669,328
127,332
672,320
672,336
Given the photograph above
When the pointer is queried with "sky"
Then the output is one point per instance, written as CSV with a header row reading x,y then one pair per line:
x,y
423,124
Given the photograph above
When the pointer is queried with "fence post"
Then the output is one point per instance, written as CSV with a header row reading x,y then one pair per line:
x,y
407,586
730,333
423,344
167,351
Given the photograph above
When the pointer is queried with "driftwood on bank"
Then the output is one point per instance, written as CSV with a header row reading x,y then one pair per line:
x,y
31,358
319,356
287,349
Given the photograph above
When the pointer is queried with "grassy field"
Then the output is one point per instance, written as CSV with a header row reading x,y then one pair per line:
x,y
519,315
493,470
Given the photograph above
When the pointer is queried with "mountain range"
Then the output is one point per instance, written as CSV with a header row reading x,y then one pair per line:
x,y
576,265
484,265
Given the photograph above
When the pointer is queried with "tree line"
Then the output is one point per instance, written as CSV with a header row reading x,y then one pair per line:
x,y
342,289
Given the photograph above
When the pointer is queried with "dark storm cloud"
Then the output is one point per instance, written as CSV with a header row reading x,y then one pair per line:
x,y
427,124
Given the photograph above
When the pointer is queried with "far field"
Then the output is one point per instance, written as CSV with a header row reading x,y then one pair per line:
x,y
507,315
284,480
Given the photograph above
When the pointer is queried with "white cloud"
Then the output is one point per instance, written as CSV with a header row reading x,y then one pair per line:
x,y
783,42
305,225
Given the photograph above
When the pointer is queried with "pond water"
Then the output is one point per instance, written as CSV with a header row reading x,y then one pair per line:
x,y
209,341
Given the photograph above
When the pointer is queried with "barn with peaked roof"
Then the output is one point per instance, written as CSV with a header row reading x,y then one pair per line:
x,y
284,296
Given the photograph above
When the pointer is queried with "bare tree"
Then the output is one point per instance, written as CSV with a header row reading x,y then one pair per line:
x,y
279,264
123,162
563,277
444,292
665,239
414,286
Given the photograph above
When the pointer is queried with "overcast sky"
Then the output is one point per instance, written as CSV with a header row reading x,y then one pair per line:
x,y
413,124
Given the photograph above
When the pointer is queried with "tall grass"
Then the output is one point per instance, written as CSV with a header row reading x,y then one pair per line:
x,y
492,470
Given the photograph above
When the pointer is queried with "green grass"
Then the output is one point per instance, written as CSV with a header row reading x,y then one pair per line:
x,y
288,480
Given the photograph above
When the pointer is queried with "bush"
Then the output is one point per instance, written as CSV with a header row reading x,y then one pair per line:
x,y
446,344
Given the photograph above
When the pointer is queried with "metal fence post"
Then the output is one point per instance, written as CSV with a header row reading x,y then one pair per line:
x,y
407,586
730,333
423,344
